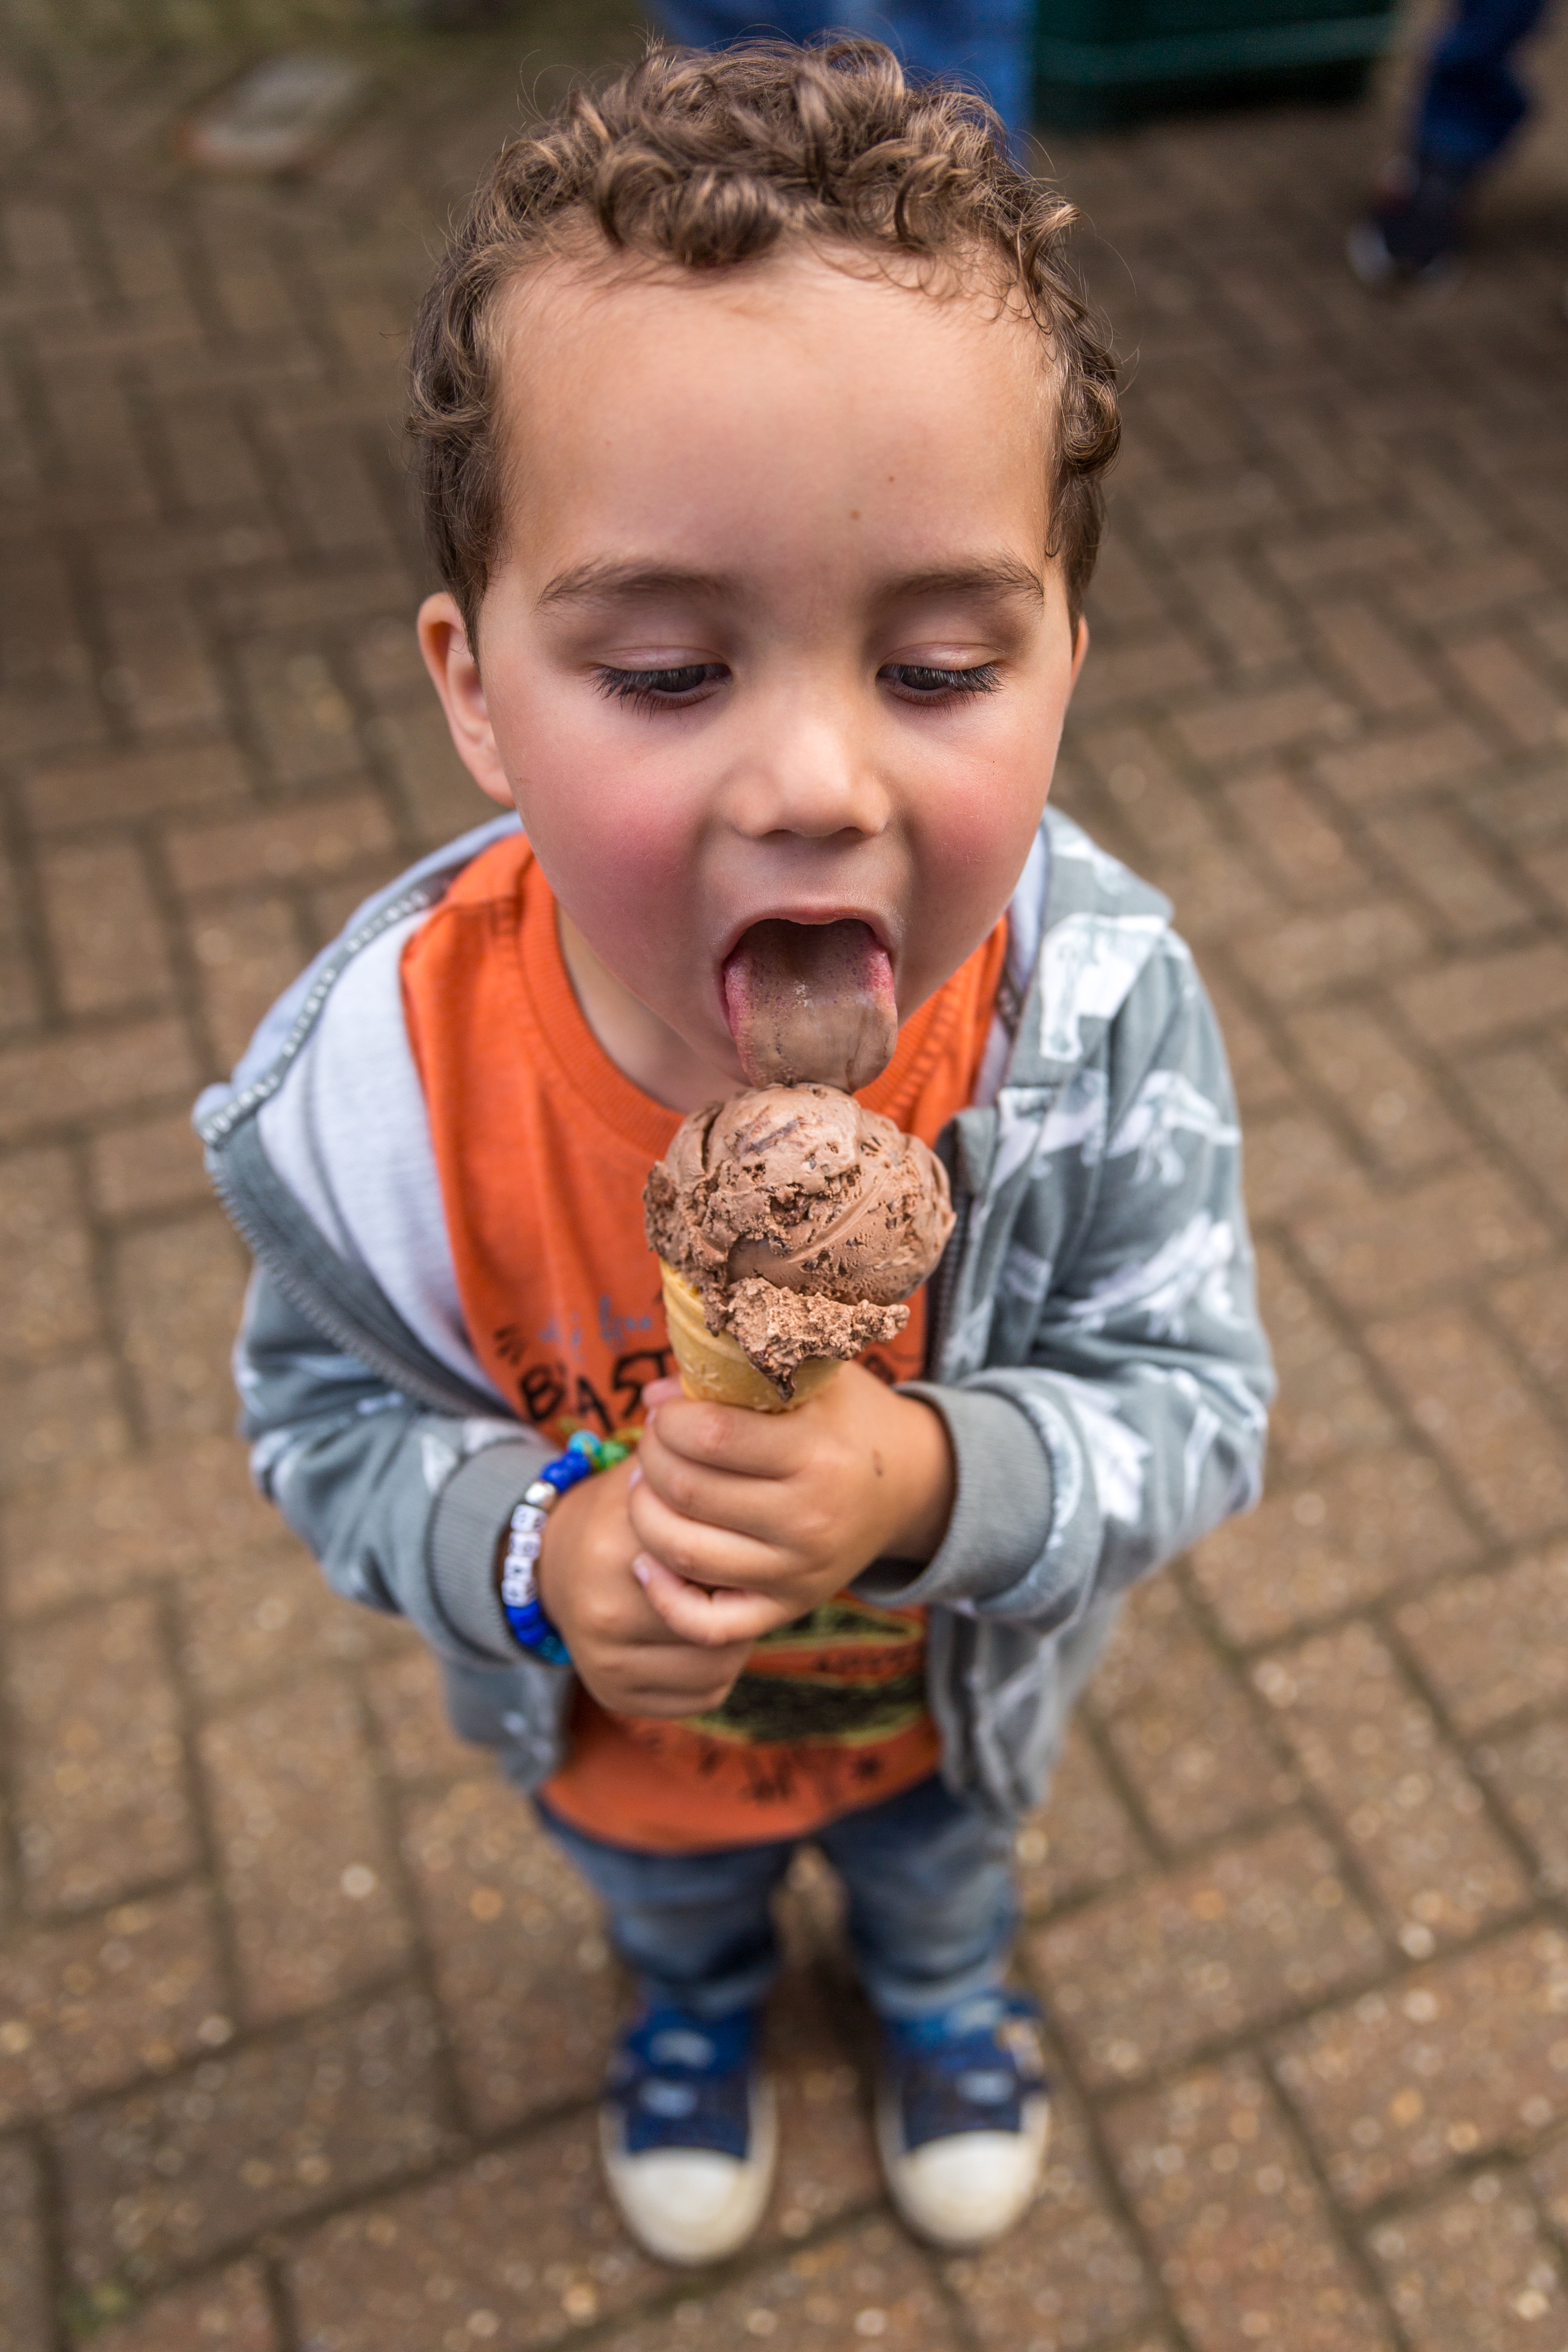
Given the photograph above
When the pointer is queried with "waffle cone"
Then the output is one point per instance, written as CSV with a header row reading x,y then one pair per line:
x,y
715,1367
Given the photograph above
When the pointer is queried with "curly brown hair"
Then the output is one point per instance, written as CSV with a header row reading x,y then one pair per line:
x,y
704,162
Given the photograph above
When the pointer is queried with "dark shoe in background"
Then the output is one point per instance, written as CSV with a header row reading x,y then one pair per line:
x,y
1410,234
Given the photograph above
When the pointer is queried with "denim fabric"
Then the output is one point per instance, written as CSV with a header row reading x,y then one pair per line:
x,y
931,1905
1473,101
985,43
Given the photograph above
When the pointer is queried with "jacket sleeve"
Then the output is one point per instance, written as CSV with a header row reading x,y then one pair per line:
x,y
1136,1420
404,1508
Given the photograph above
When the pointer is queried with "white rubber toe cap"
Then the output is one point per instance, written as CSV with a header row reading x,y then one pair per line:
x,y
691,2205
968,2190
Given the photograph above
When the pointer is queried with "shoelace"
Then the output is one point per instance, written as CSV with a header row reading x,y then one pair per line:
x,y
967,2069
684,2082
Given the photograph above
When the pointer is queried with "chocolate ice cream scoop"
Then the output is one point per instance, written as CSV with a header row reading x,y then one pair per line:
x,y
802,1221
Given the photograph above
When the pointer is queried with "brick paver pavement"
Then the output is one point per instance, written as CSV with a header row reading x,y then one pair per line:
x,y
300,2022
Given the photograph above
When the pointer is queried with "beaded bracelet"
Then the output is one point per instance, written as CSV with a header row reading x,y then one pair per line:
x,y
531,1629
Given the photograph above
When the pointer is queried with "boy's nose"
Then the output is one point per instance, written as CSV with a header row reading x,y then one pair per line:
x,y
808,776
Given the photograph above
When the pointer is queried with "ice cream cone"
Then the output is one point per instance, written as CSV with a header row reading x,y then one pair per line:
x,y
714,1365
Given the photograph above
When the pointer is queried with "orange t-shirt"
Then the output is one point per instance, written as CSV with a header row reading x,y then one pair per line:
x,y
542,1147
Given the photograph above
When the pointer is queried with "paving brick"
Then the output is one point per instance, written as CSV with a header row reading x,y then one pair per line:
x,y
101,1796
1523,811
46,1303
1534,1309
154,1165
1307,858
232,2311
25,2297
305,720
520,1958
1327,1404
104,929
1412,760
439,795
1448,866
1525,1102
1247,2250
1380,674
155,1515
60,1080
524,2242
1293,1159
1527,1774
1070,2275
1464,1001
302,1850
180,1288
1472,2272
867,2285
405,1695
1400,1247
91,2007
1246,617
1467,2055
1145,670
170,2177
1549,2175
1386,1097
1365,1527
311,841
1082,1838
266,1615
61,1416
1494,1642
1189,1743
1301,955
1414,1819
1302,559
1139,1981
1516,694
1260,1077
1473,1405
122,787
1447,591
246,953
1241,726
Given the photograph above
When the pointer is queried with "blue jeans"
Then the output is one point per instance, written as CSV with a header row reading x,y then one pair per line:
x,y
931,1905
986,44
1473,101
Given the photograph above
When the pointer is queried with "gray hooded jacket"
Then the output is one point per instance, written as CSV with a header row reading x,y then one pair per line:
x,y
1095,1348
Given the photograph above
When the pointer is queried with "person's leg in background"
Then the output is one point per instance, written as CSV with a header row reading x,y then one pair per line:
x,y
985,43
1471,104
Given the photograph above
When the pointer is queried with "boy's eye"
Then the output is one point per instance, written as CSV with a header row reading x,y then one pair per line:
x,y
659,689
918,682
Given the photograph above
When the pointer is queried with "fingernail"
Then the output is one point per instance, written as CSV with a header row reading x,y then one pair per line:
x,y
636,1478
640,1570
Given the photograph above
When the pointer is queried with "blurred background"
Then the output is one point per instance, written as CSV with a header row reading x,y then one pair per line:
x,y
300,2025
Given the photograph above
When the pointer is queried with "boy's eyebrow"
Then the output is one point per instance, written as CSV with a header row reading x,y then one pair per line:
x,y
598,584
1002,576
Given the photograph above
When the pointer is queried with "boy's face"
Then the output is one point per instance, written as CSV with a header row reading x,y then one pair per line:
x,y
773,632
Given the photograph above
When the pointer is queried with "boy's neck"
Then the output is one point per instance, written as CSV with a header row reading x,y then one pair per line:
x,y
643,1047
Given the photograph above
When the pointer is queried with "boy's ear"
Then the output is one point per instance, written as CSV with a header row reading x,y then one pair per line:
x,y
1080,646
455,673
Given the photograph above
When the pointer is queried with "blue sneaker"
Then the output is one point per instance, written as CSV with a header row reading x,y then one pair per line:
x,y
689,2133
962,2117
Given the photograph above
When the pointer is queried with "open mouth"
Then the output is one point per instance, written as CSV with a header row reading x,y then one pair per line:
x,y
811,1003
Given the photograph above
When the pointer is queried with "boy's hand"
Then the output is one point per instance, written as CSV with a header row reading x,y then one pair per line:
x,y
621,1647
747,1520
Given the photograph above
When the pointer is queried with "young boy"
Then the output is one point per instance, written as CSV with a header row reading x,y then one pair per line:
x,y
759,431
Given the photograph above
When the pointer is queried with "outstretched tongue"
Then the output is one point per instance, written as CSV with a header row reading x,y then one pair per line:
x,y
812,1004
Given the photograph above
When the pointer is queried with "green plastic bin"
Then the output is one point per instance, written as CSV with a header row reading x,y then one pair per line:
x,y
1102,62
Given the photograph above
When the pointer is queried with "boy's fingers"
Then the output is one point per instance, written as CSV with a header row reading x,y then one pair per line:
x,y
716,1497
712,1620
726,1437
696,1548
